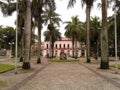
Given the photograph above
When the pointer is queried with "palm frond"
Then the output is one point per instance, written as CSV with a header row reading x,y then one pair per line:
x,y
8,7
71,3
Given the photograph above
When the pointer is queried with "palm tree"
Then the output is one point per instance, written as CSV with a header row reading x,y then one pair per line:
x,y
37,10
73,31
51,18
89,4
10,7
27,33
104,37
116,4
38,5
55,34
7,7
21,22
95,35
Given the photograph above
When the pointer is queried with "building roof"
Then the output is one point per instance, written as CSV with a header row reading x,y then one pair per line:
x,y
65,39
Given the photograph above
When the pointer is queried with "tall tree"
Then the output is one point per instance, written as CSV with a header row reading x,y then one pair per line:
x,y
104,37
95,35
88,4
7,37
37,11
8,8
55,34
73,30
27,33
51,18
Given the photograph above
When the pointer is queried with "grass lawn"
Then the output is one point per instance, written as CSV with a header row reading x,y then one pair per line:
x,y
114,66
6,67
58,60
13,58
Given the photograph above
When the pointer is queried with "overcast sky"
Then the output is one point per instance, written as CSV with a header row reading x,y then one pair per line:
x,y
65,13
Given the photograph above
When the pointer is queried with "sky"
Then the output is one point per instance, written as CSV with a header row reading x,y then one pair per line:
x,y
65,14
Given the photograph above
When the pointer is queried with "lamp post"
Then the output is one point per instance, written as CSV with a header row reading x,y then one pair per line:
x,y
116,59
11,43
16,41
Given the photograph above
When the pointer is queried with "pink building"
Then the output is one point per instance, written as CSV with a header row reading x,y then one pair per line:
x,y
65,45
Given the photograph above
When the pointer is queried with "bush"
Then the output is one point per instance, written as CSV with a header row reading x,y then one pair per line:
x,y
66,60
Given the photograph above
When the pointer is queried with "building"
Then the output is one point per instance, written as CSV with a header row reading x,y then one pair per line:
x,y
63,45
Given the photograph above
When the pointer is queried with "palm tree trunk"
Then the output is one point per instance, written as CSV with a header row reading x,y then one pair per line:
x,y
22,46
22,43
95,49
27,33
104,37
39,41
118,47
75,48
97,45
88,33
50,47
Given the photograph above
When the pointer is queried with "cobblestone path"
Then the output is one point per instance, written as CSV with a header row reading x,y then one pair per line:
x,y
68,76
60,76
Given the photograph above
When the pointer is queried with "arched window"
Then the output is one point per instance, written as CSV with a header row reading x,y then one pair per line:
x,y
60,46
68,46
47,46
56,46
64,45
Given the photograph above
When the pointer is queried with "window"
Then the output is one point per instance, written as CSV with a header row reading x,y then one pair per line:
x,y
56,45
68,45
47,46
64,45
60,45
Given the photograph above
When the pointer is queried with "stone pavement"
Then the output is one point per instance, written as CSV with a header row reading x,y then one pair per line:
x,y
62,76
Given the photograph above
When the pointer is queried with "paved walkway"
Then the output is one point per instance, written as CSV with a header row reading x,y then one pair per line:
x,y
61,76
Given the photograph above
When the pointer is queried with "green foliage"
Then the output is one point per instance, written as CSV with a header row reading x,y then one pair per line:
x,y
52,35
7,7
111,32
58,60
7,35
50,16
56,35
84,2
95,35
74,28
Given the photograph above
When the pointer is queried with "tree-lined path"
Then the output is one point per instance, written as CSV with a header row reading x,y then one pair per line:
x,y
65,76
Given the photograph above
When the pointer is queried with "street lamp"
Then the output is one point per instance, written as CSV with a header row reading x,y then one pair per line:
x,y
116,65
16,40
11,43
